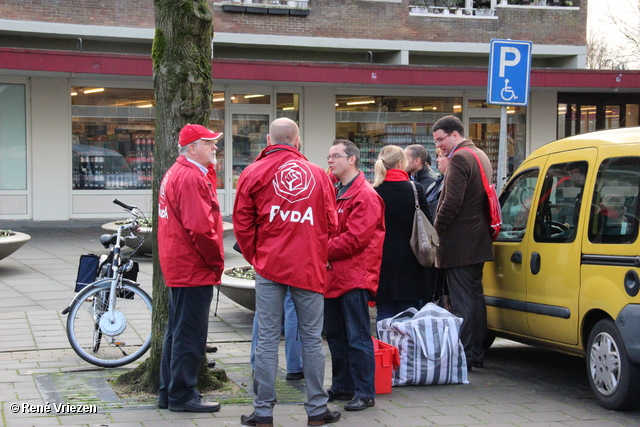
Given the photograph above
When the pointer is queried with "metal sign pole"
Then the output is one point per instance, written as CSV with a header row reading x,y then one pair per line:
x,y
501,175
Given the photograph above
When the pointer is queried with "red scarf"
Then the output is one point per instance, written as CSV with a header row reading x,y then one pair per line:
x,y
395,175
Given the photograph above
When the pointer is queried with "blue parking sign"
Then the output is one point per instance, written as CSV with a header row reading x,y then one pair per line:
x,y
509,71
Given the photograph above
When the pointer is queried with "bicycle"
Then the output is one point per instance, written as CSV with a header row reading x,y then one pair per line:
x,y
109,321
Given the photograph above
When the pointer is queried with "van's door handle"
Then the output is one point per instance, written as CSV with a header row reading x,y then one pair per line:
x,y
516,257
535,263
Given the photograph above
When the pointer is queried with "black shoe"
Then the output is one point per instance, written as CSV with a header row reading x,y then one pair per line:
x,y
211,364
334,395
358,404
197,404
296,376
478,365
253,420
326,418
210,349
163,403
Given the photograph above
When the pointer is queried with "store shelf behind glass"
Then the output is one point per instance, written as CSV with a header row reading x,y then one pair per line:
x,y
400,134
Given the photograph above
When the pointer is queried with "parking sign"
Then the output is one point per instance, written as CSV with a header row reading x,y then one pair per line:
x,y
509,71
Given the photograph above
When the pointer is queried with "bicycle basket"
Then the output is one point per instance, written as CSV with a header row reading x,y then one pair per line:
x,y
87,270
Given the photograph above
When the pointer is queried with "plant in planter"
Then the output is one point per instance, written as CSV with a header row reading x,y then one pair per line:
x,y
238,284
11,241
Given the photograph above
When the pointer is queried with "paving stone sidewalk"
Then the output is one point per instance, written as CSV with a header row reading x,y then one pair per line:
x,y
520,385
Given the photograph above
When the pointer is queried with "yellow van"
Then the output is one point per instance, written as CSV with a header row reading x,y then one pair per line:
x,y
567,260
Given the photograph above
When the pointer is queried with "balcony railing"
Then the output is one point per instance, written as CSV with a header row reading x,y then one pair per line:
x,y
271,7
480,8
287,3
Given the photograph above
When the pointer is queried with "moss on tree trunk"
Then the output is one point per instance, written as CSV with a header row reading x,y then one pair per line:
x,y
183,89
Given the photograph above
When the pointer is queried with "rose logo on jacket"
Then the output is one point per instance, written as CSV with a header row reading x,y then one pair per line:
x,y
294,181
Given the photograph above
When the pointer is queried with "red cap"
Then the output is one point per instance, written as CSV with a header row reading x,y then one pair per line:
x,y
192,133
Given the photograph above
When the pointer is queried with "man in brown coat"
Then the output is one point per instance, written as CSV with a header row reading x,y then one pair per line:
x,y
465,239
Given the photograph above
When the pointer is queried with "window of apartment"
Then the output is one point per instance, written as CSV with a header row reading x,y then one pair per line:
x,y
372,122
13,137
114,134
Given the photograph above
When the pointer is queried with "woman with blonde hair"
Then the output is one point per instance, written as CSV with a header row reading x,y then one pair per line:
x,y
403,281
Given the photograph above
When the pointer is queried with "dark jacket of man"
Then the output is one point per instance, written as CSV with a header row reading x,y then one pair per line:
x,y
461,218
425,177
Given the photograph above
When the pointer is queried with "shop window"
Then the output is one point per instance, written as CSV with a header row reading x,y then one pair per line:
x,y
587,118
615,209
288,105
588,112
631,115
113,131
612,117
374,121
251,98
216,123
485,133
113,137
13,137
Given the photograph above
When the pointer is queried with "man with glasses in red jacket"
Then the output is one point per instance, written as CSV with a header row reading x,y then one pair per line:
x,y
283,215
192,259
355,256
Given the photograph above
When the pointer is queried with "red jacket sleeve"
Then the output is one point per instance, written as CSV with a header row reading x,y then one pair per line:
x,y
362,222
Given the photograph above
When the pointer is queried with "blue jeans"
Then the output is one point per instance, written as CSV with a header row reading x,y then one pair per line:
x,y
292,347
348,330
387,309
270,297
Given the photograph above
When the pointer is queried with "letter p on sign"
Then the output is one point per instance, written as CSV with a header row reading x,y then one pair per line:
x,y
509,57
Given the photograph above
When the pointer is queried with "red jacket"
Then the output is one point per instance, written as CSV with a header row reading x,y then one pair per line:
x,y
283,214
189,227
355,251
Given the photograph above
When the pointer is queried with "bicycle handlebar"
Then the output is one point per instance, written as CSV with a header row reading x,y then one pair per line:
x,y
130,208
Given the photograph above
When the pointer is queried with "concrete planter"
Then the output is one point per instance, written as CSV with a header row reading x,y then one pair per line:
x,y
12,243
240,291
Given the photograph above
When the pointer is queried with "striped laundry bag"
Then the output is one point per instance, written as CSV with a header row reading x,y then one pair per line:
x,y
429,346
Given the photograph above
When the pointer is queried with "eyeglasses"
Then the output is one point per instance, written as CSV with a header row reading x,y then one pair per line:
x,y
335,156
441,140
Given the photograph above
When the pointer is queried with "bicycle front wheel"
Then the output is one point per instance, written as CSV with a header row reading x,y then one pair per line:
x,y
108,347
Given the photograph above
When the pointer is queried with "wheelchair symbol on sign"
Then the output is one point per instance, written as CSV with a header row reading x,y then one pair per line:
x,y
507,92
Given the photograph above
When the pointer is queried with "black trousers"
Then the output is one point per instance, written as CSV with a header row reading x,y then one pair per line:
x,y
467,302
184,343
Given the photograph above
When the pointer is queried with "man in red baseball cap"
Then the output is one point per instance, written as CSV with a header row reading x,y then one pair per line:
x,y
192,259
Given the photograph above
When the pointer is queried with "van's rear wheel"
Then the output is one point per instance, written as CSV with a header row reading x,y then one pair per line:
x,y
614,380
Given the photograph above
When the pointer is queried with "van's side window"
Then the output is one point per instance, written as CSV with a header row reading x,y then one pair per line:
x,y
516,203
559,204
614,212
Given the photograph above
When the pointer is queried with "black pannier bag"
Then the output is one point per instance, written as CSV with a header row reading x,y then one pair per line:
x,y
87,270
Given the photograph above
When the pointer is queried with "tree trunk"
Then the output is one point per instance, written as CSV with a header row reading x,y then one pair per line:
x,y
183,88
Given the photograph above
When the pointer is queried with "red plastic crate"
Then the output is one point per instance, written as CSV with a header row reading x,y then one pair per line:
x,y
387,359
